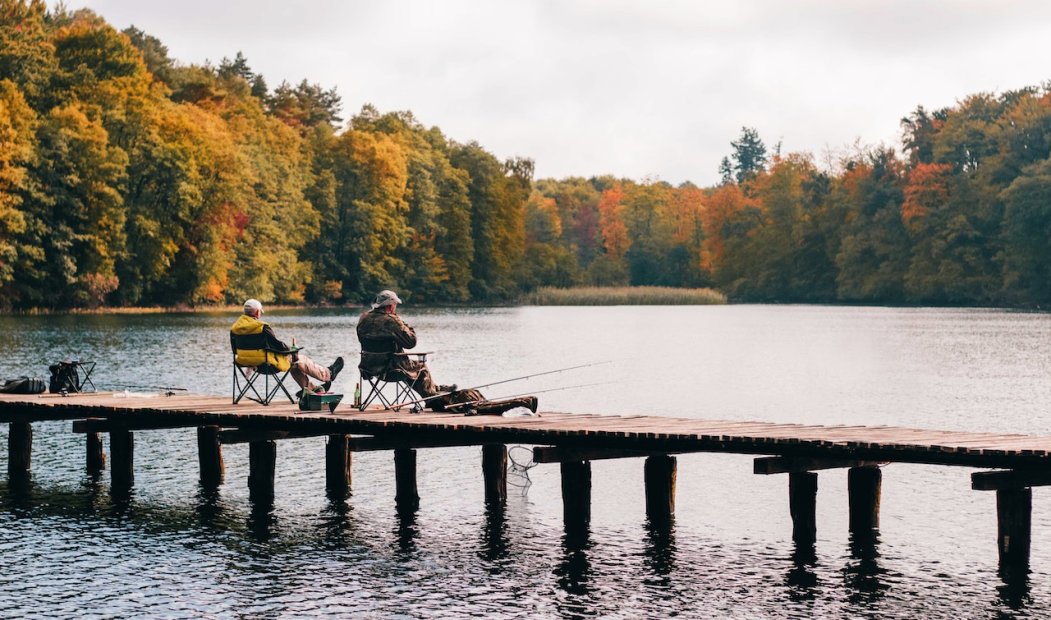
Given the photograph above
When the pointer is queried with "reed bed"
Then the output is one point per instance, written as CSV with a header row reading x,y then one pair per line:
x,y
624,296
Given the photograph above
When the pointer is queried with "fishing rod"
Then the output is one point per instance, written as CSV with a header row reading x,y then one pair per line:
x,y
167,389
501,382
453,406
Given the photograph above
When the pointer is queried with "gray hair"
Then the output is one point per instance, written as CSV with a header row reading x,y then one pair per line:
x,y
253,306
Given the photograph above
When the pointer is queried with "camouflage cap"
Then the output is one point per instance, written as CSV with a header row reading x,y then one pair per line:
x,y
385,298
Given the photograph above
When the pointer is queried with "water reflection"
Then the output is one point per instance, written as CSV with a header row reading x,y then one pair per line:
x,y
336,524
574,570
495,545
1014,590
660,551
406,531
802,579
863,573
121,497
211,512
261,522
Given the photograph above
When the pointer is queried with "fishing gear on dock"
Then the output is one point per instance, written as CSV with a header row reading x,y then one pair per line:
x,y
455,407
167,390
501,382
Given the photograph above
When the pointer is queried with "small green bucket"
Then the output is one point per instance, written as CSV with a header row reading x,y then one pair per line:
x,y
318,402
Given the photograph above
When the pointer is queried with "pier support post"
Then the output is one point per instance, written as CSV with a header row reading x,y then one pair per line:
x,y
863,495
576,495
338,460
262,463
95,460
660,474
19,450
122,451
494,472
405,495
210,456
802,503
1014,509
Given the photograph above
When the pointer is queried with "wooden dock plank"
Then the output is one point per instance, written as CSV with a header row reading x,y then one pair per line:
x,y
631,432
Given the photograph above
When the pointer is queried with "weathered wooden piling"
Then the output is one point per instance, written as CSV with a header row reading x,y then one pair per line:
x,y
210,456
576,494
494,472
1014,509
262,464
802,503
405,494
122,453
19,450
863,497
338,461
95,456
660,472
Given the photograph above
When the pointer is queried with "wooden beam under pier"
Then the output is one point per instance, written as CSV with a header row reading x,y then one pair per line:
x,y
389,442
102,425
786,465
558,454
1009,479
240,435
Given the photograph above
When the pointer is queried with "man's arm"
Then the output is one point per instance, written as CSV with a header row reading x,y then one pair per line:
x,y
272,341
403,334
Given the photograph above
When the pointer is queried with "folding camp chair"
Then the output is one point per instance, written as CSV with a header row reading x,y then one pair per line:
x,y
381,387
84,370
69,376
246,377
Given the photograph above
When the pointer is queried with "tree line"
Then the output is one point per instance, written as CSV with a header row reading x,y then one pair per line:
x,y
127,178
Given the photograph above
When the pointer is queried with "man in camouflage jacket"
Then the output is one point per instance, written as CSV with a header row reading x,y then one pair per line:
x,y
382,333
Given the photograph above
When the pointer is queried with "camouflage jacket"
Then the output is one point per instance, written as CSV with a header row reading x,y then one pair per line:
x,y
381,334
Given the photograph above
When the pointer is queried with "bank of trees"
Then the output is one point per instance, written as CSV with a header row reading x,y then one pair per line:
x,y
127,178
962,216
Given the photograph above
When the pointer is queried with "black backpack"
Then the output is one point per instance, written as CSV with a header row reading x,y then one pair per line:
x,y
64,378
22,385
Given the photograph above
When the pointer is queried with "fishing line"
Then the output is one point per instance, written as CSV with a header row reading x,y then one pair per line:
x,y
484,385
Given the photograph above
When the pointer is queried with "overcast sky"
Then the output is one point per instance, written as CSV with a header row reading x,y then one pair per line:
x,y
631,88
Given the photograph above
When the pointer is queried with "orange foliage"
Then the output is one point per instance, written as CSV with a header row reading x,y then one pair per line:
x,y
927,190
722,204
611,223
687,209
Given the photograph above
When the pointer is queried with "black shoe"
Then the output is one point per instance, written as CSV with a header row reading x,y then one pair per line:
x,y
335,368
533,402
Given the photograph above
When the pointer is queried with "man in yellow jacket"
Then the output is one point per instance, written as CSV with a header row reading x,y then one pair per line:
x,y
255,344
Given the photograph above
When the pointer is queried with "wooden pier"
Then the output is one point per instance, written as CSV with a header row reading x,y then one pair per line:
x,y
1016,463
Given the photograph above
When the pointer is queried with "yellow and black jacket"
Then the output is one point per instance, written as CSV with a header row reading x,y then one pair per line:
x,y
254,344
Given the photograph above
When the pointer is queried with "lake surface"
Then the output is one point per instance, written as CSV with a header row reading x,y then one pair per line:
x,y
69,548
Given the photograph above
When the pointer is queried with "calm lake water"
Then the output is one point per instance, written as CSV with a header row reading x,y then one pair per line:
x,y
171,550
